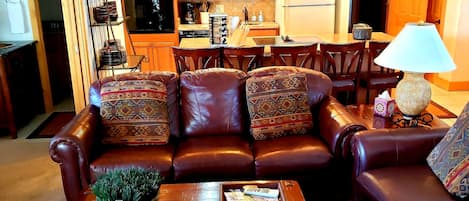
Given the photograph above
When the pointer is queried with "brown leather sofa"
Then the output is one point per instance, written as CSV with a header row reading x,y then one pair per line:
x,y
390,165
210,138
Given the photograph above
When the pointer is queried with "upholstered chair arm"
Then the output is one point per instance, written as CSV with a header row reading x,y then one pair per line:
x,y
378,148
72,148
335,123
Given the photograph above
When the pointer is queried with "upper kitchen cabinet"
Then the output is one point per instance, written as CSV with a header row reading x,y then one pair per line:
x,y
152,29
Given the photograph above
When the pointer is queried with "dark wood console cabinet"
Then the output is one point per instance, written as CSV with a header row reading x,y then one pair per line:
x,y
20,86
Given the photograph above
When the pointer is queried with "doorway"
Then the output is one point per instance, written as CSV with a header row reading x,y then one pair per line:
x,y
56,52
371,12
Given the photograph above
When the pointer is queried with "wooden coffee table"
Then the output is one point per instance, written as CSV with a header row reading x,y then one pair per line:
x,y
365,113
213,191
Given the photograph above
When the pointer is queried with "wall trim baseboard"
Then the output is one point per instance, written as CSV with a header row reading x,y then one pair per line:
x,y
445,84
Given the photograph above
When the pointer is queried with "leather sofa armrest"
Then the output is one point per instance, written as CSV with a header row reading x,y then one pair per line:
x,y
378,148
335,123
72,149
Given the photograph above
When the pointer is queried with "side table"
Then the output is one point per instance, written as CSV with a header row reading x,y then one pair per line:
x,y
365,113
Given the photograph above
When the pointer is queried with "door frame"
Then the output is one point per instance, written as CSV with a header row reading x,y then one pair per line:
x,y
36,28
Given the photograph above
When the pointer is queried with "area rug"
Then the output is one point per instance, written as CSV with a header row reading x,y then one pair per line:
x,y
439,111
52,125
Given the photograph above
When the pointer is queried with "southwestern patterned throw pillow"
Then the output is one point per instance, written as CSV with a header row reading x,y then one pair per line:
x,y
134,112
449,160
278,105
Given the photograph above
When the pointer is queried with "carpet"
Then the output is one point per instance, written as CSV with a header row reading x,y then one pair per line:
x,y
52,125
439,111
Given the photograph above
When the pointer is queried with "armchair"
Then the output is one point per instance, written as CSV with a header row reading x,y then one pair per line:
x,y
389,164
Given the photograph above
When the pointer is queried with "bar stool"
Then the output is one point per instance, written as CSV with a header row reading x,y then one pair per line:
x,y
342,63
243,58
298,55
190,59
378,77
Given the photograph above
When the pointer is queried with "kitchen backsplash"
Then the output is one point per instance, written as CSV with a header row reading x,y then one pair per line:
x,y
235,8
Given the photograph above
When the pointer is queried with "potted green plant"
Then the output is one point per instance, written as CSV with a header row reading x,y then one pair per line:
x,y
133,184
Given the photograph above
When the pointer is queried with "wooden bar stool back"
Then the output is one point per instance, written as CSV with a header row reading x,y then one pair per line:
x,y
298,55
243,58
342,63
190,59
378,77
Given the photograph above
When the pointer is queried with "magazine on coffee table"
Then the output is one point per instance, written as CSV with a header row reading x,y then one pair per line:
x,y
255,191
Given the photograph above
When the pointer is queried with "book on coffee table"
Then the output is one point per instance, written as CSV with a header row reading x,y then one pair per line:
x,y
255,191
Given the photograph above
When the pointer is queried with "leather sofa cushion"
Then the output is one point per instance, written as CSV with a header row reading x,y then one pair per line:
x,y
211,105
147,157
134,112
213,157
278,105
403,183
290,155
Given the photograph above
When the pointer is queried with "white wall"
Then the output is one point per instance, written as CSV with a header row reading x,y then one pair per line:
x,y
456,38
5,34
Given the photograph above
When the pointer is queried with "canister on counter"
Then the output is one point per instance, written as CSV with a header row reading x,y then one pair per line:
x,y
218,29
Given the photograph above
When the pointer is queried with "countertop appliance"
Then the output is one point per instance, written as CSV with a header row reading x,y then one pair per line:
x,y
193,34
302,17
193,31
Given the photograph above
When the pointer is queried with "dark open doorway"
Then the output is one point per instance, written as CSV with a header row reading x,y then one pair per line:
x,y
56,51
372,12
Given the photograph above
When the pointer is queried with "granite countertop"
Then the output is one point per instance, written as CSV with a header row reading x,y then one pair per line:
x,y
14,46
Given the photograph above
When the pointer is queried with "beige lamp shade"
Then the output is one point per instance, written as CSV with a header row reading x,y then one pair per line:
x,y
416,50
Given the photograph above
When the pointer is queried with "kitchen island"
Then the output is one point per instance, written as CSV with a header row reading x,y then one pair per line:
x,y
268,41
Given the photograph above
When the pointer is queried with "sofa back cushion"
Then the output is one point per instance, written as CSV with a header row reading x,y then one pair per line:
x,y
278,105
318,85
449,160
212,102
169,79
134,112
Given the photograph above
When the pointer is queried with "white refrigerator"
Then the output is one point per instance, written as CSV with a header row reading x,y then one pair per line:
x,y
305,17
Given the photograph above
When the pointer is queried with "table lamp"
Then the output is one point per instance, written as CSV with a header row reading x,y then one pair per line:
x,y
416,50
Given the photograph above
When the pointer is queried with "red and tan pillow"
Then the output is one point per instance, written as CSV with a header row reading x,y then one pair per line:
x,y
278,105
449,160
134,112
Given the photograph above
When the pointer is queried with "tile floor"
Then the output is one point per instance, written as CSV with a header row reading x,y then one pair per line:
x,y
454,101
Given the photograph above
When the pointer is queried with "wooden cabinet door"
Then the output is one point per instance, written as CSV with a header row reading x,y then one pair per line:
x,y
163,57
157,51
401,12
436,13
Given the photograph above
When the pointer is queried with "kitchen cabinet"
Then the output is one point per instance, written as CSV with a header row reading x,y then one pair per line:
x,y
155,42
264,32
20,90
264,29
157,50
